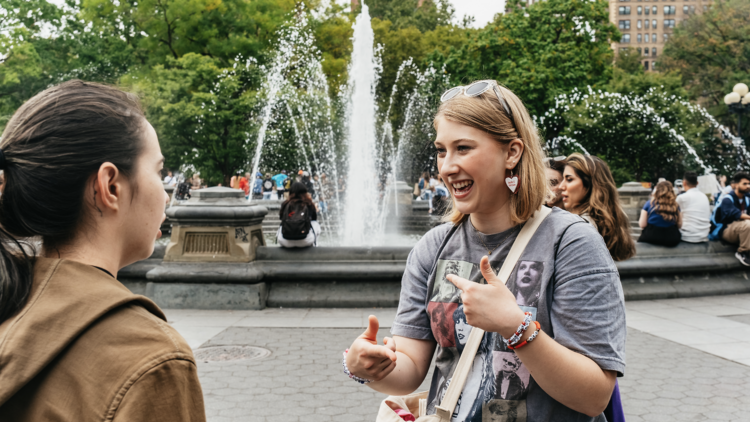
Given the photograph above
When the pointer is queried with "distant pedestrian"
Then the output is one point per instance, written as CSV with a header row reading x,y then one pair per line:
x,y
696,211
588,189
731,221
299,220
554,171
245,185
280,179
170,180
442,199
268,185
309,184
258,186
661,218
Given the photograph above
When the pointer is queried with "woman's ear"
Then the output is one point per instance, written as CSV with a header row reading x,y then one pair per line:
x,y
108,188
515,151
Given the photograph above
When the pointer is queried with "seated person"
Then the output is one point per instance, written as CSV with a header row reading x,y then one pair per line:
x,y
696,211
661,218
442,198
299,226
732,219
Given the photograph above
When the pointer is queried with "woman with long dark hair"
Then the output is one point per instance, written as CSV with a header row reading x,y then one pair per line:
x,y
75,344
299,219
588,189
661,218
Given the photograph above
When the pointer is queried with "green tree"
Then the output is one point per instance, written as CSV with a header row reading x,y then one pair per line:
x,y
540,51
628,77
424,15
202,113
710,50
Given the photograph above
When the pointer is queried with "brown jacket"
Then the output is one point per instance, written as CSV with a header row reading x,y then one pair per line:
x,y
86,349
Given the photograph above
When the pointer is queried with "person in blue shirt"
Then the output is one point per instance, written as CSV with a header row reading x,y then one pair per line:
x,y
661,218
732,219
258,186
279,179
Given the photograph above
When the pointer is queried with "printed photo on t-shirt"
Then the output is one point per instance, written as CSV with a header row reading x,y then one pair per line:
x,y
443,328
511,376
444,290
504,411
461,328
528,282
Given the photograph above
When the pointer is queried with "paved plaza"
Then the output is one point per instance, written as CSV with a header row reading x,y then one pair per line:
x,y
688,360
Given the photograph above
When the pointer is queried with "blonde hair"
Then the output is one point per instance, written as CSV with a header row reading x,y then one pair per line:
x,y
484,112
602,204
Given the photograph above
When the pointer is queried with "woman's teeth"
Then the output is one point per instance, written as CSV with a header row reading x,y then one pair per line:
x,y
462,185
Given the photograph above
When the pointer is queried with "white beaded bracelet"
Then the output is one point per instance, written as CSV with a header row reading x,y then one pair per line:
x,y
352,376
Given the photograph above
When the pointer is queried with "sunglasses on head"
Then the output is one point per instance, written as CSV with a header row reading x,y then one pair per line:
x,y
476,89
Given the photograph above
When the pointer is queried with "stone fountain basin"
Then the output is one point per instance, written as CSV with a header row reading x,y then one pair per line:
x,y
370,277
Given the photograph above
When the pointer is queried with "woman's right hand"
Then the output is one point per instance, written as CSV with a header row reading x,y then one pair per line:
x,y
369,360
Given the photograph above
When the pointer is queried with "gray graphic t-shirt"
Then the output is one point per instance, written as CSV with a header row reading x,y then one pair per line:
x,y
565,278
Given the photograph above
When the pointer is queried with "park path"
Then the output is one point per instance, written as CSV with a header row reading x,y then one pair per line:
x,y
679,369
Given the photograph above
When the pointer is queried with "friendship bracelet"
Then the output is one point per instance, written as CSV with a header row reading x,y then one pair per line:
x,y
528,340
516,337
352,376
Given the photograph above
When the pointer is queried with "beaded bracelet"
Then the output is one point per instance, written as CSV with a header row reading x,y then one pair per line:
x,y
352,376
528,340
519,332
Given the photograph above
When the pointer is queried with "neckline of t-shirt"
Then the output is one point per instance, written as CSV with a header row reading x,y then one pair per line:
x,y
493,235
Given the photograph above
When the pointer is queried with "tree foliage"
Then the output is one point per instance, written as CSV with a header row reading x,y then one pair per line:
x,y
710,50
540,51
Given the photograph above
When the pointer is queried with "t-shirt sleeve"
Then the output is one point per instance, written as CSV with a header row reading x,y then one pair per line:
x,y
647,206
169,392
411,319
588,305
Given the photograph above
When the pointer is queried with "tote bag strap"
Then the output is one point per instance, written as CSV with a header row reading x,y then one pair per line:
x,y
446,408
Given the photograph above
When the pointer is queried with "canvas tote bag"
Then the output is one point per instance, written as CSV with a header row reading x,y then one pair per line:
x,y
416,403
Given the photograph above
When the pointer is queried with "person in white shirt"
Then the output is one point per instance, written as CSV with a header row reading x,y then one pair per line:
x,y
696,212
169,179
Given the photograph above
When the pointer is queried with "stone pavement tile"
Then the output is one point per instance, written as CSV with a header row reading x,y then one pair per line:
x,y
690,385
302,380
739,350
195,336
721,310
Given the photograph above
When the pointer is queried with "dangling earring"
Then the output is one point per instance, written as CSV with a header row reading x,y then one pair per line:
x,y
512,181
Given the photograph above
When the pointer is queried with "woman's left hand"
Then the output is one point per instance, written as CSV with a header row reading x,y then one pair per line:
x,y
491,307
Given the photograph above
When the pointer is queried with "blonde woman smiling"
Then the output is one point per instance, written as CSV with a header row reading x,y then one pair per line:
x,y
490,157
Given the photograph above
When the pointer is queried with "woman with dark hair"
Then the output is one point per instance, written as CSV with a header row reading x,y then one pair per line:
x,y
75,344
299,226
661,218
588,189
554,171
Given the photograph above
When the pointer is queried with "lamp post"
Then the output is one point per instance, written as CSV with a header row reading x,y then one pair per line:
x,y
739,103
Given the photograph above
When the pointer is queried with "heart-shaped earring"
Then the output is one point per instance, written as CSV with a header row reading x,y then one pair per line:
x,y
512,181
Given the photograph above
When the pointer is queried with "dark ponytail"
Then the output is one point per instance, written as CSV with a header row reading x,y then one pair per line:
x,y
51,147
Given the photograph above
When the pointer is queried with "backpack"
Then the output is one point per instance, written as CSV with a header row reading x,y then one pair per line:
x,y
296,223
288,183
183,191
268,185
716,226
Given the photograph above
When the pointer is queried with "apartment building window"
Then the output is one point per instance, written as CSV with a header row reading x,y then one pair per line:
x,y
668,10
653,23
653,37
640,10
645,65
653,52
638,24
624,10
666,37
668,23
654,9
625,38
686,9
639,50
692,10
646,22
639,38
653,65
645,51
648,10
625,24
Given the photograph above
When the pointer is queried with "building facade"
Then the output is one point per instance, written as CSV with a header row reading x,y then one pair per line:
x,y
646,25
